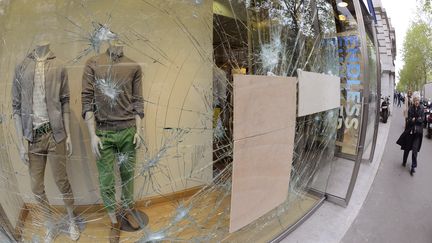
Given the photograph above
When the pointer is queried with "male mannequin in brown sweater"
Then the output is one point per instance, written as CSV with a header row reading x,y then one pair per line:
x,y
113,108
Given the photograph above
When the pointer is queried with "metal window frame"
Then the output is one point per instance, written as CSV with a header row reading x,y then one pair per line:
x,y
378,102
359,9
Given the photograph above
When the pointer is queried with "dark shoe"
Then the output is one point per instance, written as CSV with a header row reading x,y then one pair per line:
x,y
412,171
114,236
132,220
403,164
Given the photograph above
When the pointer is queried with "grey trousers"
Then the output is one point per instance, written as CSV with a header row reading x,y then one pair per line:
x,y
43,147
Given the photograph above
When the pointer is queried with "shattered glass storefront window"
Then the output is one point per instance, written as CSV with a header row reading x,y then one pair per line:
x,y
351,72
117,116
373,99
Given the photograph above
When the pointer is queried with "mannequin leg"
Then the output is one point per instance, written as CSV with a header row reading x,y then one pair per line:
x,y
37,164
57,157
127,160
127,167
113,217
38,151
70,213
105,165
58,166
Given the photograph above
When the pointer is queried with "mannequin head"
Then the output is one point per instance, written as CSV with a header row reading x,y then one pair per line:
x,y
42,43
41,39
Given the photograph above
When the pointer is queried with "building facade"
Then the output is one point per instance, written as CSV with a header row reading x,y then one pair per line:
x,y
386,37
200,61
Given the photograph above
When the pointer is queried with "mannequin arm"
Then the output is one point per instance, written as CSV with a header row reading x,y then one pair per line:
x,y
96,143
138,139
23,149
66,122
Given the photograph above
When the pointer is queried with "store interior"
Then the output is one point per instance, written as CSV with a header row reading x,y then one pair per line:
x,y
189,52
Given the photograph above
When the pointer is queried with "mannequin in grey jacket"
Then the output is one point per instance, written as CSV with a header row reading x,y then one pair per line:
x,y
40,101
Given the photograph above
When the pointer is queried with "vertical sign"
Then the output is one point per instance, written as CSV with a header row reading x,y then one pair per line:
x,y
351,93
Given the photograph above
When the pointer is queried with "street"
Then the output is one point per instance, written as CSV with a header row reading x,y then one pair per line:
x,y
398,208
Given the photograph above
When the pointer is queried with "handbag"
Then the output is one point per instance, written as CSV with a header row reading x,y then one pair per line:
x,y
418,129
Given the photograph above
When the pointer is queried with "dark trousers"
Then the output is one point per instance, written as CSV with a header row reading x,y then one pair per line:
x,y
414,158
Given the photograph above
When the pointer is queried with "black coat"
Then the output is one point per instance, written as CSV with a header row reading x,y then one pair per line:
x,y
412,137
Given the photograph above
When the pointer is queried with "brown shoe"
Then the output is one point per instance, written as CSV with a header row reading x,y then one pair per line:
x,y
132,220
114,236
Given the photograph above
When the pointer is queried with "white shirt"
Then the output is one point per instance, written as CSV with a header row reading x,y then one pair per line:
x,y
40,112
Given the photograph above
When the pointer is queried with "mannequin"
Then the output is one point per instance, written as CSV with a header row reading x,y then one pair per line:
x,y
115,129
36,127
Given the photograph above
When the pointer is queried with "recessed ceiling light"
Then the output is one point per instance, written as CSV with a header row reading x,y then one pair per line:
x,y
342,4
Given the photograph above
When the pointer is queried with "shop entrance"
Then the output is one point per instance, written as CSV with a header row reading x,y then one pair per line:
x,y
230,45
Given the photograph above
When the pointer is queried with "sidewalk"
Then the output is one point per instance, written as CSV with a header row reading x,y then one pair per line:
x,y
398,208
330,222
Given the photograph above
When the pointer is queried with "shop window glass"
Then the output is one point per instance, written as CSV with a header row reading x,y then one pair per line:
x,y
160,74
351,71
373,99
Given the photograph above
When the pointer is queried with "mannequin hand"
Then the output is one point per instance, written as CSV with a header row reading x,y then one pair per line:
x,y
69,146
96,143
138,140
24,154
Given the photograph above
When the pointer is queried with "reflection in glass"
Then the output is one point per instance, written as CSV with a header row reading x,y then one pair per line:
x,y
188,52
373,99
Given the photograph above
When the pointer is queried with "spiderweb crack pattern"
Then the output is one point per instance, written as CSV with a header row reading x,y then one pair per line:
x,y
175,156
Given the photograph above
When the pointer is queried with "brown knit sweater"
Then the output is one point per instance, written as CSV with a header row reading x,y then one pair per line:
x,y
112,89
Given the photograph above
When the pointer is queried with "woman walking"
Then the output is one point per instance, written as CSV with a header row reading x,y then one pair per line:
x,y
408,98
411,138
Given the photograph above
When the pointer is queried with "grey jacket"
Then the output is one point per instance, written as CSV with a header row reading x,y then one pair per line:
x,y
56,92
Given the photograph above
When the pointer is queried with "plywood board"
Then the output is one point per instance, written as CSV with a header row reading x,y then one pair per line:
x,y
263,104
264,128
317,92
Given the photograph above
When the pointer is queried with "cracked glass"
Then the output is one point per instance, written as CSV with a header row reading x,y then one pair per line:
x,y
124,112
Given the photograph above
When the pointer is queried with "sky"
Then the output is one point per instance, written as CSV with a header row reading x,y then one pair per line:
x,y
401,13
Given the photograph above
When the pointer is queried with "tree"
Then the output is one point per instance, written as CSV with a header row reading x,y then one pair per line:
x,y
424,11
425,6
417,56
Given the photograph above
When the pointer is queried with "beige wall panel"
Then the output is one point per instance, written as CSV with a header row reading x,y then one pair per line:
x,y
317,92
259,98
264,124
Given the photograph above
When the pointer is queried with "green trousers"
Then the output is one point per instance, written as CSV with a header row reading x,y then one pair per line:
x,y
118,148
